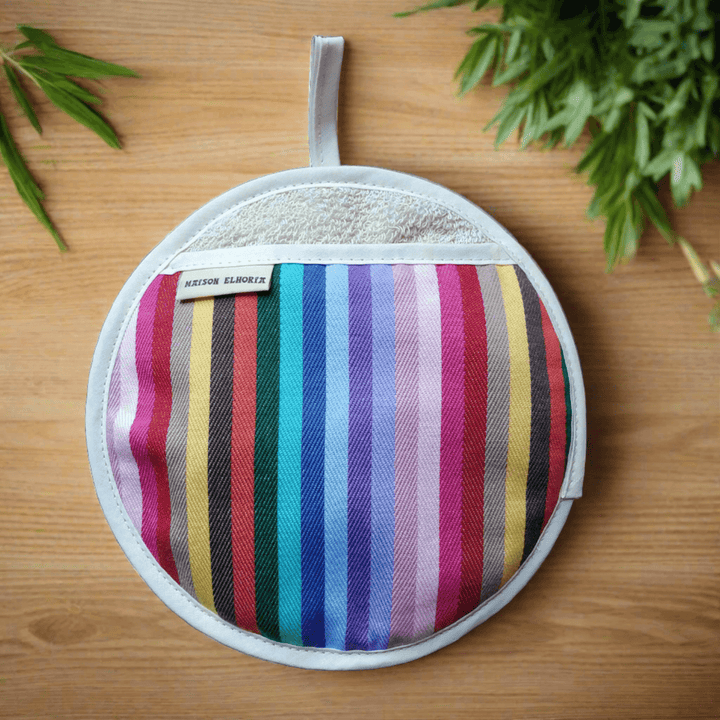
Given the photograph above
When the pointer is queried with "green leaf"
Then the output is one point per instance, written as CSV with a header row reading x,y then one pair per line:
x,y
646,110
80,112
632,12
623,96
593,152
548,49
642,143
471,56
88,64
528,128
515,69
21,97
66,63
35,36
661,164
62,83
434,6
579,102
24,182
474,76
513,45
679,100
684,177
510,123
648,199
707,49
612,119
611,238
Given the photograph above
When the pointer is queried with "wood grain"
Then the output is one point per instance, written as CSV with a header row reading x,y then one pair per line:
x,y
621,621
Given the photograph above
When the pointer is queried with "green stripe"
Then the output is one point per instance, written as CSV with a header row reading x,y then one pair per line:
x,y
289,452
266,458
568,408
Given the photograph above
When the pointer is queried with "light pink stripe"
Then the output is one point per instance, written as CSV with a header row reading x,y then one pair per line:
x,y
143,417
113,408
124,467
406,455
430,403
451,444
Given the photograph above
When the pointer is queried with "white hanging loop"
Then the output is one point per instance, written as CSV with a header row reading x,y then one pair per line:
x,y
326,56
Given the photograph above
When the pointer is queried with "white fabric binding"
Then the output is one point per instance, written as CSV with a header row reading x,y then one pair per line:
x,y
321,254
325,62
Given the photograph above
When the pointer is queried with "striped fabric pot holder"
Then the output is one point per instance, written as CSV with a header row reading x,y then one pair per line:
x,y
336,418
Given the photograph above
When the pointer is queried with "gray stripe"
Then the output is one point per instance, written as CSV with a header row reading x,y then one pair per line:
x,y
177,440
496,444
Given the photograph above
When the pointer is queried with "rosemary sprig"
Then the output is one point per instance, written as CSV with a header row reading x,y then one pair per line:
x,y
643,75
41,61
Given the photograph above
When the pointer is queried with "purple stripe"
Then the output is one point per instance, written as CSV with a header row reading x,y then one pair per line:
x,y
383,455
359,457
407,418
141,425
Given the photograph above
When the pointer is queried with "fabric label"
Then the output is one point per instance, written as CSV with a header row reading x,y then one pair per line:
x,y
210,282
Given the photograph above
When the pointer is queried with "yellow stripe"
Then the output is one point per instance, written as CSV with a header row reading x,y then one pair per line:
x,y
520,416
197,451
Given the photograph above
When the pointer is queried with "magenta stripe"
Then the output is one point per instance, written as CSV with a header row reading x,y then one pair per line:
x,y
430,403
451,444
406,455
141,424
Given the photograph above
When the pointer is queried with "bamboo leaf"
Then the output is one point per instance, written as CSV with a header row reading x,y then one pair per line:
x,y
24,183
80,112
63,83
87,64
36,36
22,99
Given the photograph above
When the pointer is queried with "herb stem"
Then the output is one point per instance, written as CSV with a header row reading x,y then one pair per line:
x,y
6,56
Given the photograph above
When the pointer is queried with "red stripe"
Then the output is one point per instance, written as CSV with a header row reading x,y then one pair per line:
x,y
157,433
557,414
476,381
243,460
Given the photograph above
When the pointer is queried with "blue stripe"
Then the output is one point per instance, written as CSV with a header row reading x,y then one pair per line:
x,y
383,455
289,452
313,456
337,390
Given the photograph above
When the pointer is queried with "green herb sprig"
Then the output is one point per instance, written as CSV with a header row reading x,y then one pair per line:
x,y
41,61
643,75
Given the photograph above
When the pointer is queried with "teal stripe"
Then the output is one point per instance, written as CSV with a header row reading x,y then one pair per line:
x,y
337,404
289,453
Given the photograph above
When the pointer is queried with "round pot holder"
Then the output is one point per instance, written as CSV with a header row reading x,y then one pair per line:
x,y
336,418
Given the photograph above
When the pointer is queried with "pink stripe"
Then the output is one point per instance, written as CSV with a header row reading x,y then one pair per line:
x,y
143,417
406,455
125,470
451,444
430,403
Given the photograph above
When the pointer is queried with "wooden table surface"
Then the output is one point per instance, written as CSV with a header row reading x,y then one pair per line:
x,y
621,621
